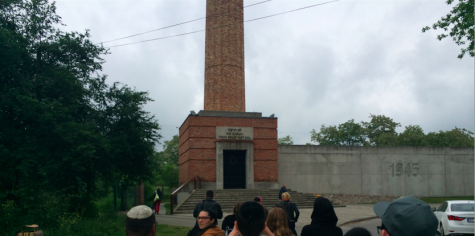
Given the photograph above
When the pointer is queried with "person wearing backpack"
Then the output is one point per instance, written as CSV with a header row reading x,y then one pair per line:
x,y
292,211
208,203
157,200
228,222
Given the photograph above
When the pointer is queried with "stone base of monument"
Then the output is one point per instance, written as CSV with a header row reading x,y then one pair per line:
x,y
229,150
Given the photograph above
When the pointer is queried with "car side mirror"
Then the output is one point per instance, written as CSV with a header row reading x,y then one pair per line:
x,y
433,209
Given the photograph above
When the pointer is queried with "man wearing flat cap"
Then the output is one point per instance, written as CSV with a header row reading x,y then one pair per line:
x,y
406,216
140,221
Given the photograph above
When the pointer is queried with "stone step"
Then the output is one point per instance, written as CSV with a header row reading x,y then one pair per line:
x,y
229,197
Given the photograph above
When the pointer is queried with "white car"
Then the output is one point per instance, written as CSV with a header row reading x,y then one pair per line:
x,y
455,217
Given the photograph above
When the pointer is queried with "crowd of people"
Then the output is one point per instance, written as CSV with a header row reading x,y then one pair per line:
x,y
406,216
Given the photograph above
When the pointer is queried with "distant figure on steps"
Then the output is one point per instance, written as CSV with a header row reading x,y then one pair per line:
x,y
282,190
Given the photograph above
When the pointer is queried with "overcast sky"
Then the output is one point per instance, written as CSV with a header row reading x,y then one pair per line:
x,y
323,65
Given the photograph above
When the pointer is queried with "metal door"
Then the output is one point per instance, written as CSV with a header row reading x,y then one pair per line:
x,y
234,169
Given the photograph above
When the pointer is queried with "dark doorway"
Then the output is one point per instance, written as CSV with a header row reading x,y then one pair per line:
x,y
234,169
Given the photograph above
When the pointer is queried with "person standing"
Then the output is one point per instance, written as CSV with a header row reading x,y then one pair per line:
x,y
292,211
282,190
228,222
140,221
208,203
208,224
259,200
278,222
156,203
251,221
406,216
324,220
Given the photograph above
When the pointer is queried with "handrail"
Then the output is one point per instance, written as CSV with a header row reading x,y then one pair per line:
x,y
194,179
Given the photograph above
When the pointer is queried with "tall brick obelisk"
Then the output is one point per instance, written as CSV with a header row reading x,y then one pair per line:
x,y
223,145
224,56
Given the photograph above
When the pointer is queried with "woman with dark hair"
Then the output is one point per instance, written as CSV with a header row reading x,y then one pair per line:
x,y
228,222
278,222
208,224
324,220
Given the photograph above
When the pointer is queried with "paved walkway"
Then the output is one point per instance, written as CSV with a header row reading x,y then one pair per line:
x,y
348,214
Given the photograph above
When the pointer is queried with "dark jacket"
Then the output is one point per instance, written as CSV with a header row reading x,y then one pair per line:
x,y
291,208
159,194
282,190
228,222
324,220
209,203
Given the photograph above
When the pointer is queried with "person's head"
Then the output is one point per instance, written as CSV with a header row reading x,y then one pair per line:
x,y
358,232
236,208
406,216
209,194
323,212
285,186
258,199
251,219
277,222
158,188
286,196
140,221
207,219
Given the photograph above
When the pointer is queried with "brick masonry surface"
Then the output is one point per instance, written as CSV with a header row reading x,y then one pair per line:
x,y
224,56
198,146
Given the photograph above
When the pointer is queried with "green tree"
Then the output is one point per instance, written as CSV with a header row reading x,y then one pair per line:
x,y
170,151
170,175
452,138
167,163
63,130
460,22
381,130
346,134
413,135
327,135
351,134
287,140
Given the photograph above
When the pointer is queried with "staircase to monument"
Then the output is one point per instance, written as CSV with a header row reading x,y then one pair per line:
x,y
228,198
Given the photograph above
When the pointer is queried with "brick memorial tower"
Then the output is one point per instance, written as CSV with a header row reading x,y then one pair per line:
x,y
226,146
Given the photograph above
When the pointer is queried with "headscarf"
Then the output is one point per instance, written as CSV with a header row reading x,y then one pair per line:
x,y
323,212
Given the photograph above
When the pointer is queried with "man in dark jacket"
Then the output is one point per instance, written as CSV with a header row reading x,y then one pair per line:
x,y
208,203
282,190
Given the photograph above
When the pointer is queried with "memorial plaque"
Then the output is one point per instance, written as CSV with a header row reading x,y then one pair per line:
x,y
240,133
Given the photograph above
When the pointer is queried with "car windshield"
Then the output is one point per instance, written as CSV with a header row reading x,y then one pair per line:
x,y
462,207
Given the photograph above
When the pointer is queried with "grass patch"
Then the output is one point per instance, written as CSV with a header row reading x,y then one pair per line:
x,y
111,225
167,230
443,199
167,206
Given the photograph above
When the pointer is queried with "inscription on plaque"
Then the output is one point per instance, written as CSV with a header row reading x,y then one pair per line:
x,y
240,133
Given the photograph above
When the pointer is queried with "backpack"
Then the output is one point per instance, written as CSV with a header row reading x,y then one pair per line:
x,y
156,197
227,231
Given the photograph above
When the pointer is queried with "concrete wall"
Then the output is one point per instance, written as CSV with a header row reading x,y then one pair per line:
x,y
389,171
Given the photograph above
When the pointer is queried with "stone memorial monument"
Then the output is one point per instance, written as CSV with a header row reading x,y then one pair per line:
x,y
223,144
